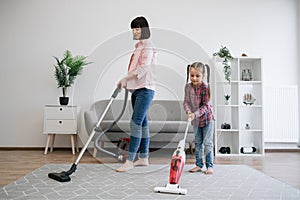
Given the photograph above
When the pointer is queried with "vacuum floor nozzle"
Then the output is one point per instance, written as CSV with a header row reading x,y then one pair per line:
x,y
61,177
171,188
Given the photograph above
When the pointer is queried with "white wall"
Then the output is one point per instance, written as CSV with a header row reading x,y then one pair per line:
x,y
298,19
34,31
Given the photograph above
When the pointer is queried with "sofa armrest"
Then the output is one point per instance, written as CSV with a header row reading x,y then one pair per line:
x,y
90,120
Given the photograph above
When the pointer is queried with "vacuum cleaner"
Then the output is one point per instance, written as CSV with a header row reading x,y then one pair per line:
x,y
176,167
64,176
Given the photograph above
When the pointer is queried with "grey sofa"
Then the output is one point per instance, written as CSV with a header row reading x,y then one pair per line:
x,y
167,122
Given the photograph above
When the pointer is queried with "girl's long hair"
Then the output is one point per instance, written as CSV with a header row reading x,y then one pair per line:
x,y
202,68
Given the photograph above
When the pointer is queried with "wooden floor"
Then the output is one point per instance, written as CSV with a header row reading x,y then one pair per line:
x,y
283,166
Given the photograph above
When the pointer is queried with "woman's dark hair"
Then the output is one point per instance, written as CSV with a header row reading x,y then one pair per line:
x,y
141,22
202,68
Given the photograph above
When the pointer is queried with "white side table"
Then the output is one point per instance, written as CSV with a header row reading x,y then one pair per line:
x,y
60,120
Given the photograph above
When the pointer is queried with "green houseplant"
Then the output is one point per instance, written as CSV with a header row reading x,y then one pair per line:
x,y
225,54
66,71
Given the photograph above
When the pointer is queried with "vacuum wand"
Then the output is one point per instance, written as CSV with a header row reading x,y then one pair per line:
x,y
64,176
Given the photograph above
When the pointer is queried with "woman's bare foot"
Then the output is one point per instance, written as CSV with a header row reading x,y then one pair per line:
x,y
196,169
128,165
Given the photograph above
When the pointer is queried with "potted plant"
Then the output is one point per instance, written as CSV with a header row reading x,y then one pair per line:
x,y
226,56
66,71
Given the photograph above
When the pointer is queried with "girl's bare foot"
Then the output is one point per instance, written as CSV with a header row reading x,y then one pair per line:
x,y
141,162
209,171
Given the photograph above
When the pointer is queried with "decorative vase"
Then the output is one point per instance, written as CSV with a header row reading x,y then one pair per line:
x,y
64,101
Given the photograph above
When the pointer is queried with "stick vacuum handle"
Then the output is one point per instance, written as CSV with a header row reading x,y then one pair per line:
x,y
187,129
116,92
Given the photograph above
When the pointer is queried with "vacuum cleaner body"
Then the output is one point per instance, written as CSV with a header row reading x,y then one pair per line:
x,y
176,167
177,163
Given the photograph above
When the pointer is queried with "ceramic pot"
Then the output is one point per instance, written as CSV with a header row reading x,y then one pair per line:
x,y
64,101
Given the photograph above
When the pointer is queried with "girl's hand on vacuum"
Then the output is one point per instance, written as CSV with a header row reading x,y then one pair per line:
x,y
191,116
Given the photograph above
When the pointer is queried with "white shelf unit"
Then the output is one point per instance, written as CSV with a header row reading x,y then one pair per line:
x,y
236,112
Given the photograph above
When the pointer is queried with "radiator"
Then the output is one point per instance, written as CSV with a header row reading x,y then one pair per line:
x,y
281,114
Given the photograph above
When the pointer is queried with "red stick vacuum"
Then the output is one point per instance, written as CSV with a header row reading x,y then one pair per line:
x,y
177,164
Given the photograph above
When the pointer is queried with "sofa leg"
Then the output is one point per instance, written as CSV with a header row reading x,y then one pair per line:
x,y
95,152
191,148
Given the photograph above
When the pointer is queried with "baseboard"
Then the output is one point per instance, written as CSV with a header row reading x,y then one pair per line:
x,y
281,150
31,148
282,146
151,149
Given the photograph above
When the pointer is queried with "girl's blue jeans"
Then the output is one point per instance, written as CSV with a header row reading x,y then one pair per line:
x,y
140,136
204,145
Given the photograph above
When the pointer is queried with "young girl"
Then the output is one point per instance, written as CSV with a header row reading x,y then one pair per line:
x,y
198,108
140,82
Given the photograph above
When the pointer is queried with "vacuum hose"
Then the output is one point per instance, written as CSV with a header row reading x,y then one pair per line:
x,y
98,129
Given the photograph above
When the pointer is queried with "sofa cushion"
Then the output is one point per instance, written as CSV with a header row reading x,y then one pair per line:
x,y
162,110
114,111
90,119
169,127
154,126
155,137
166,110
121,126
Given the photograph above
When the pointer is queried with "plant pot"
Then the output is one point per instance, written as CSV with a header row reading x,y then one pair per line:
x,y
64,101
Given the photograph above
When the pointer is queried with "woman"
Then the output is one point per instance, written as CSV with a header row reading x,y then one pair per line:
x,y
140,82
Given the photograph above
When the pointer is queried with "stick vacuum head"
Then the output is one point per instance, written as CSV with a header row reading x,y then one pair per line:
x,y
61,177
171,189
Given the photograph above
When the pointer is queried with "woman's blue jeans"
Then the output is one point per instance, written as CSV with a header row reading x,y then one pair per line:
x,y
204,145
140,136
